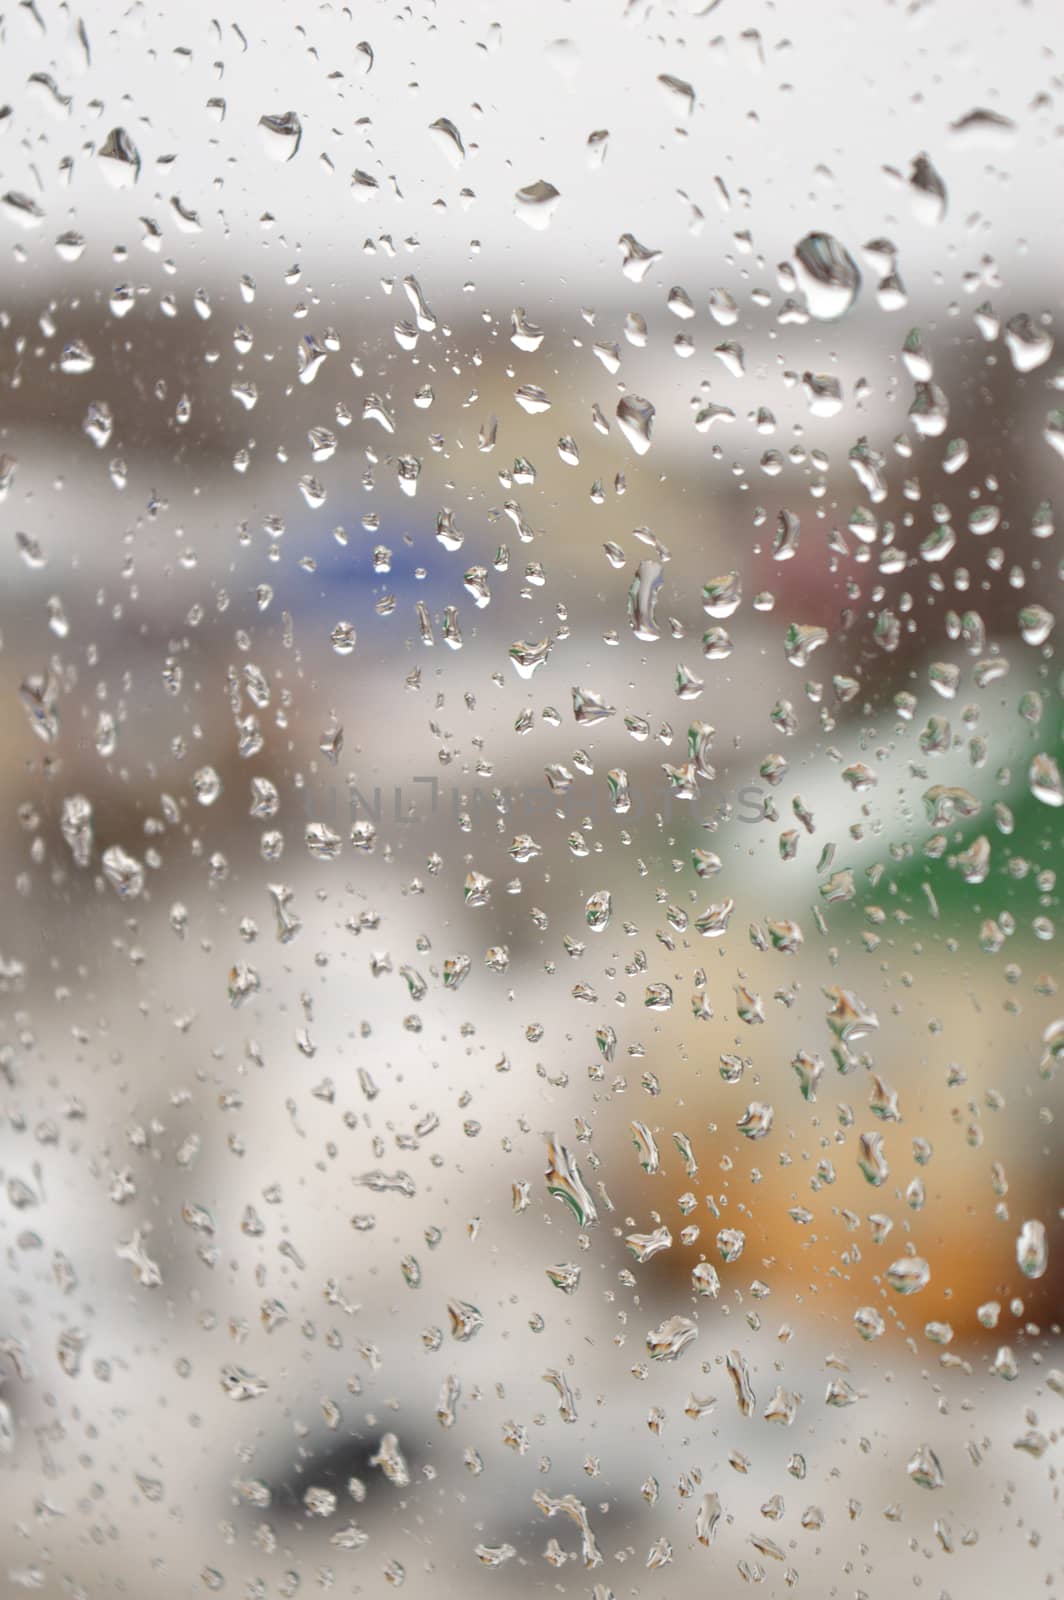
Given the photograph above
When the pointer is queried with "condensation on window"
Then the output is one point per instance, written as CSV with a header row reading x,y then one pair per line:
x,y
529,1058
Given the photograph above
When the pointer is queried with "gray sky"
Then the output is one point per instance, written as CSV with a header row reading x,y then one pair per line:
x,y
797,110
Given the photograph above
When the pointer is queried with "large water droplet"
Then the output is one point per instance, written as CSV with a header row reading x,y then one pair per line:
x,y
536,203
828,274
281,135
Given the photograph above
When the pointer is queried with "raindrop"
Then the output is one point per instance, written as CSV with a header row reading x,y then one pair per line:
x,y
828,274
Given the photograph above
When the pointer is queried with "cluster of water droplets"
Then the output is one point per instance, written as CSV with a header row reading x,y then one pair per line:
x,y
532,792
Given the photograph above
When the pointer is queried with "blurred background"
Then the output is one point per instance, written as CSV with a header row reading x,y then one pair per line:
x,y
531,799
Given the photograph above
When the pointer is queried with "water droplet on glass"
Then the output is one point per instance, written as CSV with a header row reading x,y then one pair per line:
x,y
636,419
828,274
536,203
281,135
